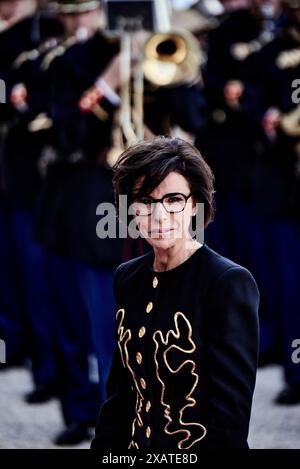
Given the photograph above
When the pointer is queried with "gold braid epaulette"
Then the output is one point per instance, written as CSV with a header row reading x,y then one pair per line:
x,y
61,48
33,54
290,58
58,51
3,26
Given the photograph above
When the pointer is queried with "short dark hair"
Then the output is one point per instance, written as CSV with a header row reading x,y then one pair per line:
x,y
154,159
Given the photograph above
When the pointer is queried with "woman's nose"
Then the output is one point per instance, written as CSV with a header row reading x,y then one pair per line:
x,y
159,212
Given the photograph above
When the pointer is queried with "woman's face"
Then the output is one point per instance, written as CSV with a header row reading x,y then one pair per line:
x,y
162,229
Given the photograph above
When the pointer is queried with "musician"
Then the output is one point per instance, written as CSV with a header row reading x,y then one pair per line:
x,y
21,182
229,133
278,189
186,324
66,222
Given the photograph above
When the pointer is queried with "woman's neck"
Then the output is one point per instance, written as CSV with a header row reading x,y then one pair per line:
x,y
167,259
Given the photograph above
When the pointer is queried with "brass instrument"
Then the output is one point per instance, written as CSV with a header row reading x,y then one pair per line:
x,y
171,58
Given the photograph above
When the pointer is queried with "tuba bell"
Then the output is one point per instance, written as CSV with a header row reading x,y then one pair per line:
x,y
171,58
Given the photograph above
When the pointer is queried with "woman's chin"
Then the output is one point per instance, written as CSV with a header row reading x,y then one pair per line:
x,y
162,243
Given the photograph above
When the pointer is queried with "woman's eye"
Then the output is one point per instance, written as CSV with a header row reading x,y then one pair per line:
x,y
145,201
173,200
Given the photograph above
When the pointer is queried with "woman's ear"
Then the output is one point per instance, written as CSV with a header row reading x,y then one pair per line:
x,y
194,208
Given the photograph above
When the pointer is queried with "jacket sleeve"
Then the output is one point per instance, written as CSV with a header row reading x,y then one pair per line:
x,y
113,430
231,352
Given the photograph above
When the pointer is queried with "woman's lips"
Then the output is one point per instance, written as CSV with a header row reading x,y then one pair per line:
x,y
160,231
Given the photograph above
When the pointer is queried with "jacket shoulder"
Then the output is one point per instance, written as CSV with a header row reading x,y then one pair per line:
x,y
129,268
218,266
232,293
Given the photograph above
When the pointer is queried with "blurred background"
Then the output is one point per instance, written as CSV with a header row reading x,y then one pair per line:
x,y
80,80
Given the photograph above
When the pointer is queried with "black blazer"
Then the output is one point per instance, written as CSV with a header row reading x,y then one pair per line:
x,y
184,368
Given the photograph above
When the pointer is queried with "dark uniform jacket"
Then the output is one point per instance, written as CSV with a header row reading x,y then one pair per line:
x,y
230,140
22,146
76,183
184,367
277,183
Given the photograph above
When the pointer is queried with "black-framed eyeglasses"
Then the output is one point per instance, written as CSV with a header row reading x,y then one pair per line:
x,y
173,202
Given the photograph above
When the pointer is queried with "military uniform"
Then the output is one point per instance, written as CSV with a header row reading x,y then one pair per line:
x,y
230,139
278,190
76,183
20,183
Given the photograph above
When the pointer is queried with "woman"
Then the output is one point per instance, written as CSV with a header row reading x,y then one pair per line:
x,y
184,368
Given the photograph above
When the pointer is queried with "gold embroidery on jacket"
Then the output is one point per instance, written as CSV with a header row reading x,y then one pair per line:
x,y
124,338
163,348
133,444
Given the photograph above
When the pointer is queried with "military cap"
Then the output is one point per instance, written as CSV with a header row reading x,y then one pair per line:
x,y
76,6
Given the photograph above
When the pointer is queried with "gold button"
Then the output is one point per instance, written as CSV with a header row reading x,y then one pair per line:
x,y
142,332
148,406
139,358
148,432
149,307
155,282
143,383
